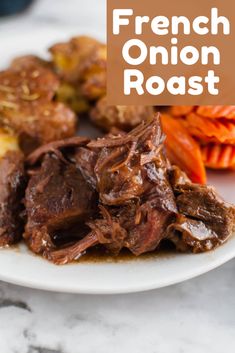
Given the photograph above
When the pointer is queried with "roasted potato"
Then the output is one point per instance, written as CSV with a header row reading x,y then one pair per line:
x,y
93,73
81,63
26,61
68,58
27,108
120,117
8,142
72,97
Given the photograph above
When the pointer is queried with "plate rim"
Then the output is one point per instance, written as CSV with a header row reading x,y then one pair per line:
x,y
140,287
36,284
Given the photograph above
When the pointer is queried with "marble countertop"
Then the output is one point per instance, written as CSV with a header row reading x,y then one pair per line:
x,y
191,317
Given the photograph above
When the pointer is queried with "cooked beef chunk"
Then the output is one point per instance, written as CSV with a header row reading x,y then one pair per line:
x,y
177,177
205,220
188,234
57,198
146,235
86,160
73,252
12,184
56,146
123,166
27,109
203,203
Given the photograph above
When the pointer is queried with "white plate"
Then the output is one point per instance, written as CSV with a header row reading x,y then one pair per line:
x,y
23,268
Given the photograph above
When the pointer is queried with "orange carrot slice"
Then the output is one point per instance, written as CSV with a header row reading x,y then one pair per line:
x,y
182,149
218,156
220,130
218,111
180,110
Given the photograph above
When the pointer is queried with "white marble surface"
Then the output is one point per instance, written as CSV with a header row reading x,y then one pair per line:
x,y
193,317
197,316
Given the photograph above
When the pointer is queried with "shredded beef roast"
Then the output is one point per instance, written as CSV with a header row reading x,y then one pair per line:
x,y
57,198
203,203
12,184
135,197
118,192
205,220
56,147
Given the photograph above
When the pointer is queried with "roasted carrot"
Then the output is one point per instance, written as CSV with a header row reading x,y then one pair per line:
x,y
218,156
210,130
216,112
181,110
182,149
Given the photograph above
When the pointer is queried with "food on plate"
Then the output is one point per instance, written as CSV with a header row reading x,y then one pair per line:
x,y
118,192
120,117
213,130
66,92
27,109
182,149
8,142
204,220
81,65
181,110
218,156
210,130
93,73
217,111
64,194
57,199
72,97
69,57
25,61
12,185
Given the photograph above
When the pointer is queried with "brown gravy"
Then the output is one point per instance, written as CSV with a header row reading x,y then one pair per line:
x,y
98,255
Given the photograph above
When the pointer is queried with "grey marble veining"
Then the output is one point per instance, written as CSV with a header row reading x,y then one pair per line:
x,y
197,316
